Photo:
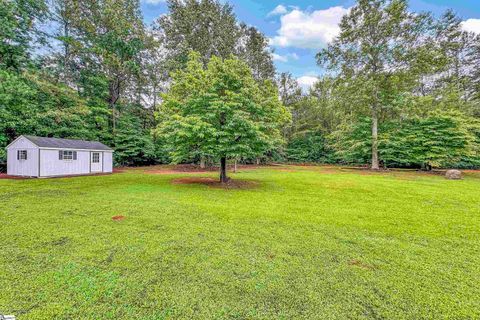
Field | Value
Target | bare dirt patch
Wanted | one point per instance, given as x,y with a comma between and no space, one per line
118,218
6,176
191,168
214,183
360,264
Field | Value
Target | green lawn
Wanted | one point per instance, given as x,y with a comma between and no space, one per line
308,242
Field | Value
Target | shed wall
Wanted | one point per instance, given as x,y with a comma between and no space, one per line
107,162
27,167
50,165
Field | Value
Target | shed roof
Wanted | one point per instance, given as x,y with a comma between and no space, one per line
43,142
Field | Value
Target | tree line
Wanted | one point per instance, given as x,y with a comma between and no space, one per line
197,85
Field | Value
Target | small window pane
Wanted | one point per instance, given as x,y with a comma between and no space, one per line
95,157
22,154
67,155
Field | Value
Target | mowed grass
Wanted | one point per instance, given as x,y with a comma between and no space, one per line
305,243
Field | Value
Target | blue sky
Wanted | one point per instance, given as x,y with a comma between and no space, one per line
298,29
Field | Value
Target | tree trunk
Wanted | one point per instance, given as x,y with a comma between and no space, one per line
258,161
223,170
202,162
235,166
375,165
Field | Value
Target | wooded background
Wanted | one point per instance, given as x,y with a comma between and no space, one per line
399,90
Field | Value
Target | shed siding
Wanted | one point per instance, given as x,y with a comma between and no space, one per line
50,165
107,162
27,167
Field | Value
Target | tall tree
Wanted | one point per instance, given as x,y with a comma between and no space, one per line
254,49
208,27
19,32
289,89
220,111
383,46
109,36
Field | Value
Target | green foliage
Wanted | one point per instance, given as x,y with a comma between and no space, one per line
208,27
133,146
220,111
211,28
309,148
386,49
18,30
439,140
351,142
31,104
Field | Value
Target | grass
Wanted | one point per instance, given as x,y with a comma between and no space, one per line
306,242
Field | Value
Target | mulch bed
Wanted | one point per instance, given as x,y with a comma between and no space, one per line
6,176
214,183
190,168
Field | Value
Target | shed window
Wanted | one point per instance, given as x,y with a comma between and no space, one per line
67,155
95,157
22,154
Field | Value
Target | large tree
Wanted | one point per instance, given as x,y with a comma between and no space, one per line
19,31
220,111
208,27
211,28
386,49
102,39
253,47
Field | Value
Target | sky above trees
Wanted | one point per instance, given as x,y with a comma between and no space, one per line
298,29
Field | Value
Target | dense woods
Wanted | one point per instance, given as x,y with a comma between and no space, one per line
397,89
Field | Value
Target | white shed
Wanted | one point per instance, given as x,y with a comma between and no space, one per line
51,157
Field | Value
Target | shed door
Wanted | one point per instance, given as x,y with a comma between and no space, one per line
96,161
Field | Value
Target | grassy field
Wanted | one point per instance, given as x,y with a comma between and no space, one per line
303,242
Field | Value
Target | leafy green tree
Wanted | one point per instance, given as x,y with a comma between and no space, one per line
307,148
33,104
253,48
208,27
111,32
133,145
220,111
439,139
386,48
289,90
19,30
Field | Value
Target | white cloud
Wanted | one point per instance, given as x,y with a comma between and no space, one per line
279,10
306,82
305,29
471,25
285,58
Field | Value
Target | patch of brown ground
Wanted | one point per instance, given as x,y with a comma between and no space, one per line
360,264
214,183
6,176
190,168
118,218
